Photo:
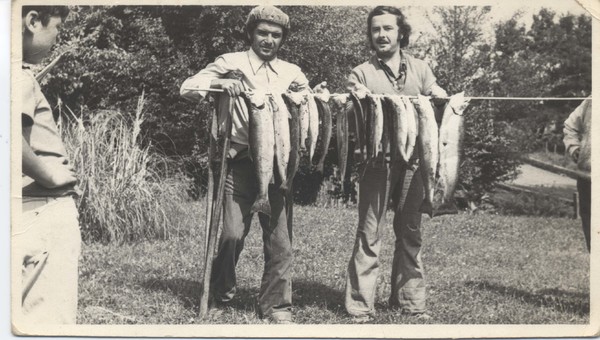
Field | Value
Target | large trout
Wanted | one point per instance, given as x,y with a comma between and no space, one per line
262,148
304,124
450,146
400,125
391,123
281,128
428,150
378,125
411,128
359,121
293,100
326,127
313,126
341,121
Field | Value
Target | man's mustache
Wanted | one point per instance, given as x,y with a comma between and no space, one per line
382,41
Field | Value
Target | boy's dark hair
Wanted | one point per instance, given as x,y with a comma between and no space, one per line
403,28
46,12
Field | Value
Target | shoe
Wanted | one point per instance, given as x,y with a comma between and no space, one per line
280,318
422,316
362,318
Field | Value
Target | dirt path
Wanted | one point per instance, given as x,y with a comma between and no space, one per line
531,176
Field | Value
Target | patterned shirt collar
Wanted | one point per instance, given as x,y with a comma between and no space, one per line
388,71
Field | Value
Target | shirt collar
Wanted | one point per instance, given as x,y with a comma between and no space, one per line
256,63
401,71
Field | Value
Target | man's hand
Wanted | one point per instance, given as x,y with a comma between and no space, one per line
436,93
321,88
575,155
233,87
47,173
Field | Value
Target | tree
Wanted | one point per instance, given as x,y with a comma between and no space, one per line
463,64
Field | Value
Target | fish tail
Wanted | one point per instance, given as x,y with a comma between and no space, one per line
446,208
261,205
284,187
320,168
426,208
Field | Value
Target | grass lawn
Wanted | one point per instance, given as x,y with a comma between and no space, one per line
481,269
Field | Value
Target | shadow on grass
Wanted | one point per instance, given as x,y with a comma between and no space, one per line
559,300
310,293
188,291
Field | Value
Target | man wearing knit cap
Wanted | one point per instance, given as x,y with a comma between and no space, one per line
260,69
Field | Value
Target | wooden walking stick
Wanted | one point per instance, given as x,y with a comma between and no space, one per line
216,192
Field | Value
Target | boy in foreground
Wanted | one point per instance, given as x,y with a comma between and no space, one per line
46,243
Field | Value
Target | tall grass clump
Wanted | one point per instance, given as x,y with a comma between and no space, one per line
129,191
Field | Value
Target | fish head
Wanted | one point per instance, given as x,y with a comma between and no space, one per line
458,103
296,97
256,98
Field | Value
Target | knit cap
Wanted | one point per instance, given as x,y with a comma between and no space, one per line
268,13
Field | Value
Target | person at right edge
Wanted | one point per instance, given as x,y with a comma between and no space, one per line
389,71
577,139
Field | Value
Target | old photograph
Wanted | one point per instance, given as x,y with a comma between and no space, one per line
250,169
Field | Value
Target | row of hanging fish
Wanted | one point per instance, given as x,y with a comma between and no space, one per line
282,128
285,127
397,126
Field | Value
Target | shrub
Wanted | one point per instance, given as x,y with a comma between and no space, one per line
129,191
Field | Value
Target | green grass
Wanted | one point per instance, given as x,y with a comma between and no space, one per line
481,269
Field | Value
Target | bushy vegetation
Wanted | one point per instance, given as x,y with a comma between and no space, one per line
130,192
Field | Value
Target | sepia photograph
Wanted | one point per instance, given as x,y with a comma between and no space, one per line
355,170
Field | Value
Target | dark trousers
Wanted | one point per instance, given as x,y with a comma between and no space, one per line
584,187
241,188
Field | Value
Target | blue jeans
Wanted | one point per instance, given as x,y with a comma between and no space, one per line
407,281
241,188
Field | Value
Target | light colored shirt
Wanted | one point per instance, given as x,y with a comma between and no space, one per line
577,134
274,77
41,132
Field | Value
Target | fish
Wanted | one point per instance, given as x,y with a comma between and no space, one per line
378,125
370,113
304,125
262,148
428,150
400,126
390,121
313,126
412,128
293,101
450,145
281,129
358,115
326,128
341,122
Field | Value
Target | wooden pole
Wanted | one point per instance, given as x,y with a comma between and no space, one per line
575,205
215,215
